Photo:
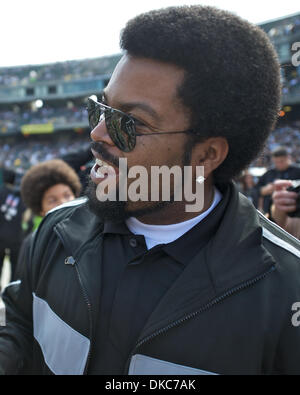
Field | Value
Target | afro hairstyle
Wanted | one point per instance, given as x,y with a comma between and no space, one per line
39,178
232,74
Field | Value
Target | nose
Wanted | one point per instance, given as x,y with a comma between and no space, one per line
100,134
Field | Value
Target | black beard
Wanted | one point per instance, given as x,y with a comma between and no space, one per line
109,210
115,211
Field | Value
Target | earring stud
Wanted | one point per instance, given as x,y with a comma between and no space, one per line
200,179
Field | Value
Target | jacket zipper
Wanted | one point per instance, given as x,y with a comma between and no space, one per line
90,313
207,306
72,262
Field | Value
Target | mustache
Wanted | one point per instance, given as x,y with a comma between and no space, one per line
98,147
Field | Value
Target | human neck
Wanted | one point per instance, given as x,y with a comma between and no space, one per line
176,213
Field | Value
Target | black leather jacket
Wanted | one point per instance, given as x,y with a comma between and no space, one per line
233,310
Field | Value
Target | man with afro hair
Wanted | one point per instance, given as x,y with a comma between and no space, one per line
145,286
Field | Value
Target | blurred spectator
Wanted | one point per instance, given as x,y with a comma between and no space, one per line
11,210
283,169
284,202
248,188
48,185
44,187
287,136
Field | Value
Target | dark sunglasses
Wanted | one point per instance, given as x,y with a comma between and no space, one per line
120,126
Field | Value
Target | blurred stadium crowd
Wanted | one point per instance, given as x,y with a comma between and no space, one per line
287,29
291,84
46,114
69,70
14,119
287,136
22,155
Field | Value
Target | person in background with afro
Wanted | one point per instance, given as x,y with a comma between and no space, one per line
48,185
44,187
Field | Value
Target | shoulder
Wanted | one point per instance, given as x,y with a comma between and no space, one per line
65,210
284,247
267,175
57,215
283,287
72,204
295,168
296,165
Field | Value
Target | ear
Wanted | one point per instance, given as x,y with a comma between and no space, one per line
211,154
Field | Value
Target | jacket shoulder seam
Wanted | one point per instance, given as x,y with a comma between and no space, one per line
287,241
72,203
280,242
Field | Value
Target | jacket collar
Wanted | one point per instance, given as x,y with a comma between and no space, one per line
236,251
78,229
191,243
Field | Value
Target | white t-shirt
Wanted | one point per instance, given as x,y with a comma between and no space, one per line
163,234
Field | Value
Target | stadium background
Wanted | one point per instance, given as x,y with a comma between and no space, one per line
43,116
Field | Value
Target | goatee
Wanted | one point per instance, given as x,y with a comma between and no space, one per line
116,211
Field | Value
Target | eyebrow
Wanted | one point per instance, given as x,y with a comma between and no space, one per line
125,107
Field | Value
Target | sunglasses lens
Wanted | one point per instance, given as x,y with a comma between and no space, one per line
120,127
121,130
94,113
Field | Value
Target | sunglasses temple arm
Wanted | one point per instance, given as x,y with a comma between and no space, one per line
150,134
